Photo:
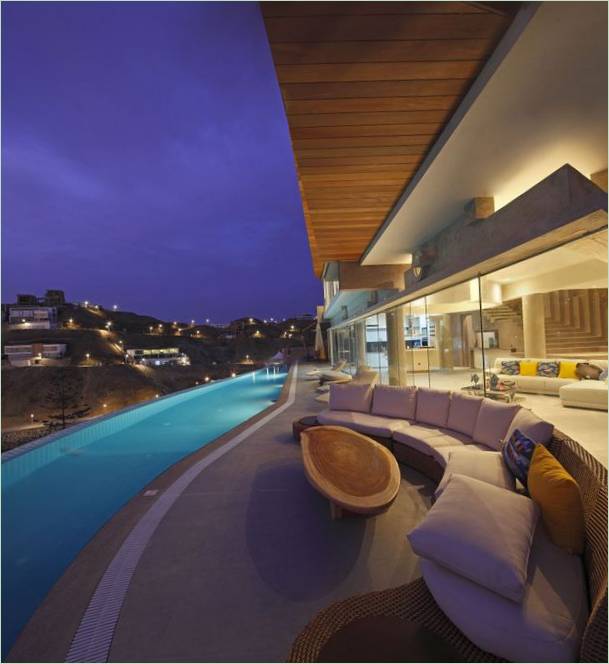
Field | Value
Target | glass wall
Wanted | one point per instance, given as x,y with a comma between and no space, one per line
549,306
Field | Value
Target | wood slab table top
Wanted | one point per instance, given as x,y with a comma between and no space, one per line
352,471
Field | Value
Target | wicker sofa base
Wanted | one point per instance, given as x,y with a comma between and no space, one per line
414,602
411,602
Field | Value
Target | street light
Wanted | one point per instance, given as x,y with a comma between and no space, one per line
115,307
32,417
88,356
233,374
207,379
207,320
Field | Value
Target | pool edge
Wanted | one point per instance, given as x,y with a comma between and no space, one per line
48,634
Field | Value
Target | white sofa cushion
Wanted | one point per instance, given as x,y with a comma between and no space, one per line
534,383
432,406
481,532
531,426
353,397
484,467
442,454
493,421
393,401
371,425
590,393
463,413
546,627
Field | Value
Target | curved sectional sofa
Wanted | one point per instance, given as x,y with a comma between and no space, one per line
563,616
424,426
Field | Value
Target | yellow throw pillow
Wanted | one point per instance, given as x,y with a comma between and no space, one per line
567,370
528,368
559,500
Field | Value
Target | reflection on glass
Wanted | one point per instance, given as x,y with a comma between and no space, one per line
376,345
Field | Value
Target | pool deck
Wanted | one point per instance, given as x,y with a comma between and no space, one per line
242,560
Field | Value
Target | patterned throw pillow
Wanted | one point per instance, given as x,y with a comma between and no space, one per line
510,367
547,369
517,453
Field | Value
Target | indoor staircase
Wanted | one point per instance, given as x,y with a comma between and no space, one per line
576,322
509,310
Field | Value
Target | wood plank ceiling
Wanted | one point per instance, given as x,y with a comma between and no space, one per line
367,87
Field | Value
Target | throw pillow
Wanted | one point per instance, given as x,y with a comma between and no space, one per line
510,367
559,500
531,426
351,397
463,413
432,406
493,421
567,369
547,369
517,454
587,371
394,401
481,532
528,368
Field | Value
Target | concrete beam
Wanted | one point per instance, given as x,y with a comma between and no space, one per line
600,179
562,207
353,276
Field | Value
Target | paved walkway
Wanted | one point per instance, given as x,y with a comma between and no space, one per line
248,554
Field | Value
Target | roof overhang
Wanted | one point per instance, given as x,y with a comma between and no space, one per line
545,105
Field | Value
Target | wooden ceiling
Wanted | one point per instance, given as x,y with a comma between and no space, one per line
367,87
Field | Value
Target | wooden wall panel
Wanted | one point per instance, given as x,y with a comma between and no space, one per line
367,88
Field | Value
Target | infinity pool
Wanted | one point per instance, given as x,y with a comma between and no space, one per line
55,497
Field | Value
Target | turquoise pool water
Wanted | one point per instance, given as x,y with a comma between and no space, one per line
57,496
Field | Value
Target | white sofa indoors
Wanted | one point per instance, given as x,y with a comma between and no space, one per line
585,394
543,384
510,590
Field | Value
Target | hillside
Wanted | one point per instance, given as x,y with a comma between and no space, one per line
98,380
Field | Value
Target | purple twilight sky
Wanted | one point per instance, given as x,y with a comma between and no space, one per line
146,161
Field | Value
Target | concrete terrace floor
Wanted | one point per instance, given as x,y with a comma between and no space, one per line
248,554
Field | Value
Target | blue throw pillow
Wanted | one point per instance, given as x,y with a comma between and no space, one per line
517,453
547,369
510,367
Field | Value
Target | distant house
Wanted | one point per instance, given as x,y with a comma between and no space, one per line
32,317
157,357
54,298
26,298
27,355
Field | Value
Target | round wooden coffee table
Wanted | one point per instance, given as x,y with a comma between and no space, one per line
298,426
354,472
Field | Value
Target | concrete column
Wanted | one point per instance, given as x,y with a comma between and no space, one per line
396,350
444,339
360,345
331,353
534,325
